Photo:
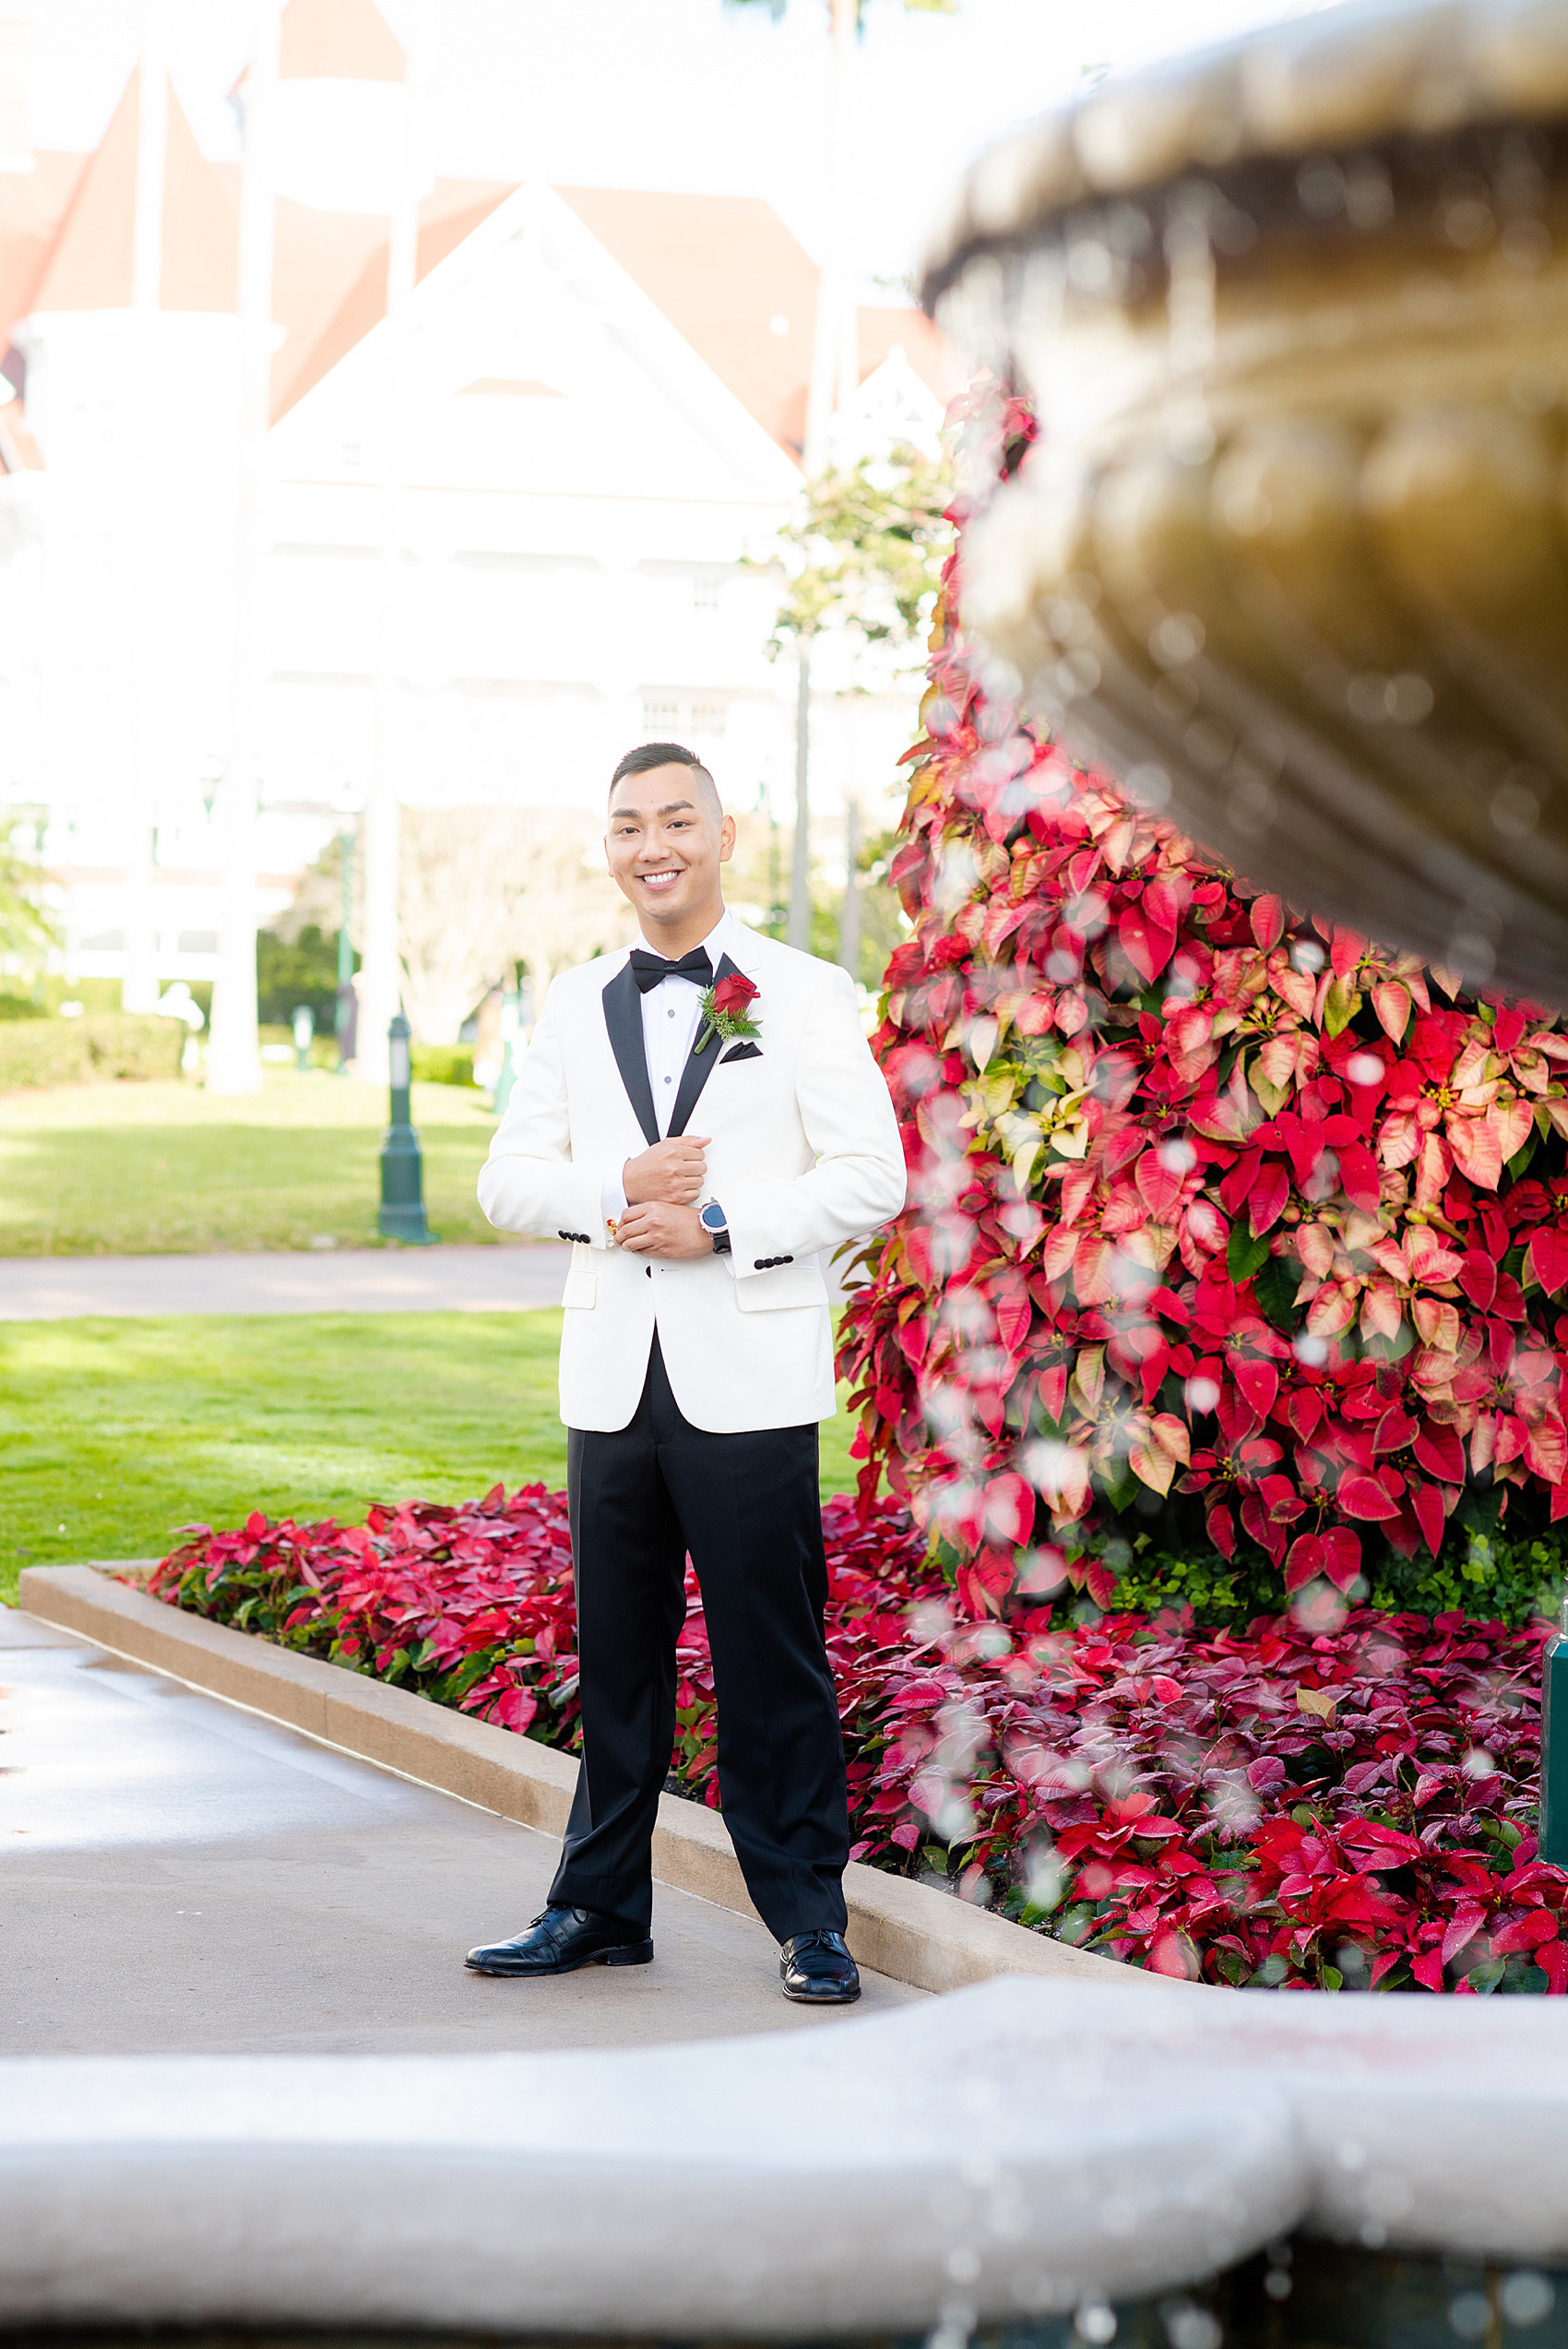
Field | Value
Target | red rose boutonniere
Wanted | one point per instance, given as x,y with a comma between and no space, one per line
726,1007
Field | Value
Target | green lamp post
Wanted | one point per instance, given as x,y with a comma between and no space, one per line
402,1168
1554,1746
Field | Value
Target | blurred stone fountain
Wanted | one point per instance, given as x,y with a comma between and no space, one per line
1291,556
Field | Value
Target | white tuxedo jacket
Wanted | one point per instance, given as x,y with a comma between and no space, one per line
804,1155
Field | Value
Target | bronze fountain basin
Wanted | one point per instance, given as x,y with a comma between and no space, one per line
1290,555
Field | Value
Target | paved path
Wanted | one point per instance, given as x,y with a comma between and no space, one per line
508,1279
182,1874
439,1280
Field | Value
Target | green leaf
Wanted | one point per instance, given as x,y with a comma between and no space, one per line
1276,1288
1341,1006
1523,1156
1244,1254
1118,1484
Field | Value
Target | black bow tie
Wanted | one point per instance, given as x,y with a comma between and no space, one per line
649,969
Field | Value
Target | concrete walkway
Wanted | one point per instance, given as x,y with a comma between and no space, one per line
507,1279
437,1280
179,1874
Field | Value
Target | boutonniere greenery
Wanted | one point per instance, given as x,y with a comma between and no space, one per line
726,1008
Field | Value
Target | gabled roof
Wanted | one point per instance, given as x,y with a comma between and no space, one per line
329,284
726,271
32,205
337,40
723,270
90,266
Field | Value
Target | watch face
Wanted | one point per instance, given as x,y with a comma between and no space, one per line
711,1218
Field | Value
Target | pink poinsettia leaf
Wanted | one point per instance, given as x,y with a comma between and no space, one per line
1364,1498
1546,1257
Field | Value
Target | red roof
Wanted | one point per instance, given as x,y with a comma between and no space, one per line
727,272
723,270
337,39
32,205
90,267
330,283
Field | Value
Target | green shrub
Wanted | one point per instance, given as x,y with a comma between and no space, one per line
13,1006
99,1044
443,1064
294,971
1510,1569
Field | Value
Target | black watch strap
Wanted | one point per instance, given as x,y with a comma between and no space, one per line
722,1237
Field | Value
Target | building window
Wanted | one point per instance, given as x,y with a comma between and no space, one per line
708,718
660,717
705,592
197,942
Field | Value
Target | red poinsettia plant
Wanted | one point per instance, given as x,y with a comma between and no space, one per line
1224,1225
1282,1806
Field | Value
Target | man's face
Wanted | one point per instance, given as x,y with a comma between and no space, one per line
666,842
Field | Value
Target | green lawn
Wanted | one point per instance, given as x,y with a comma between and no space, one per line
155,1169
113,1434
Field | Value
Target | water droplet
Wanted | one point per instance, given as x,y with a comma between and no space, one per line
1469,2315
1177,640
1527,2297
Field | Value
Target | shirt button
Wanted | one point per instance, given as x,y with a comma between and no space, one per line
670,1015
666,1081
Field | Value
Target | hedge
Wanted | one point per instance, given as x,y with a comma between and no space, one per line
443,1064
99,1044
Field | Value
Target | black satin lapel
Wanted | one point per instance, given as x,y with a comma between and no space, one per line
699,1065
623,1019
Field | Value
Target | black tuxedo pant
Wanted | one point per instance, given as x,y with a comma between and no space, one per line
746,1508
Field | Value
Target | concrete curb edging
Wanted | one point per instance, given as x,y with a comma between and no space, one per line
908,1931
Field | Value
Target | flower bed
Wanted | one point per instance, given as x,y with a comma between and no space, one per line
1346,1807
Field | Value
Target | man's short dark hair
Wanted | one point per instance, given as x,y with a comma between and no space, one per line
649,754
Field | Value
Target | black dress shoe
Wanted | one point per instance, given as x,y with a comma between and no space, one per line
818,1969
562,1941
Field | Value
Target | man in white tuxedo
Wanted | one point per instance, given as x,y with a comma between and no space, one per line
696,1358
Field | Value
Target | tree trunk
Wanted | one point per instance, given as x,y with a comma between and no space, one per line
800,930
850,918
380,979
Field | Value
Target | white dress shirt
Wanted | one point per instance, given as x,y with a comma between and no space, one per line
672,1014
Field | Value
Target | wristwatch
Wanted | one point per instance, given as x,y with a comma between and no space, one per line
711,1218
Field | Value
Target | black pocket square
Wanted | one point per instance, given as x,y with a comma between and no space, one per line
742,1052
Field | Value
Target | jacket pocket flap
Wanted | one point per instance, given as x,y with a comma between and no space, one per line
783,1284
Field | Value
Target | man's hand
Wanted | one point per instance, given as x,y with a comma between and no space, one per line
670,1175
673,1232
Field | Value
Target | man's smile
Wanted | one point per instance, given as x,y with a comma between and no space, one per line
662,881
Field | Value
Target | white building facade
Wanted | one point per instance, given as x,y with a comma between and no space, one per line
574,559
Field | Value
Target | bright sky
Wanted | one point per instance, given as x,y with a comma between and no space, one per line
683,94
